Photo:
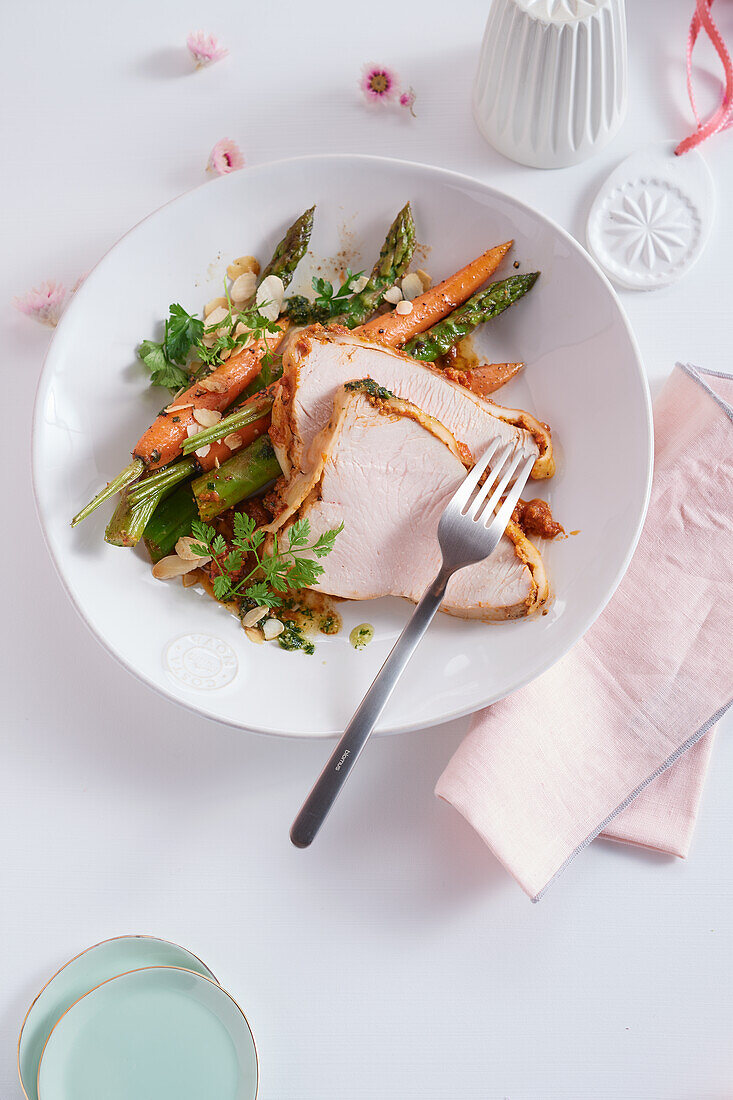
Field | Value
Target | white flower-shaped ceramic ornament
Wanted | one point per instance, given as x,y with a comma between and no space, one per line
652,218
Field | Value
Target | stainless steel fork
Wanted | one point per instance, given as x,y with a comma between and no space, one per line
469,530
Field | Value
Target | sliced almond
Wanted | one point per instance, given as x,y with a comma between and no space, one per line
224,355
412,286
173,566
190,579
215,303
217,315
254,635
192,429
393,295
207,418
254,616
424,278
232,441
269,298
271,628
183,548
211,334
202,452
179,408
243,287
358,284
242,265
212,385
217,463
403,308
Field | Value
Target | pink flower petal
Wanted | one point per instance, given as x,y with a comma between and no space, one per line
44,303
226,156
205,48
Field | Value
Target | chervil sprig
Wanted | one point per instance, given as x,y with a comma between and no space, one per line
243,570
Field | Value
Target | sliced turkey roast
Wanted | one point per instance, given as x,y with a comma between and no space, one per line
320,361
386,470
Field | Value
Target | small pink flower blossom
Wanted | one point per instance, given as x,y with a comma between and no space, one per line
379,84
44,303
205,48
407,100
226,156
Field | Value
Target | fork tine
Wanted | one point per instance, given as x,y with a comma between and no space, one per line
463,493
505,512
496,472
498,489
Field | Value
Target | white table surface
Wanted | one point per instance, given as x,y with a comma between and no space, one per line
395,959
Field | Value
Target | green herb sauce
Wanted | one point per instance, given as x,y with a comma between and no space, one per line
368,385
293,637
361,635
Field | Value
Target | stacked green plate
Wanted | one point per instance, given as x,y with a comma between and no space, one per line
136,1018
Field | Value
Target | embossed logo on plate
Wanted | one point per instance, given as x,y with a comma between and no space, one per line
201,662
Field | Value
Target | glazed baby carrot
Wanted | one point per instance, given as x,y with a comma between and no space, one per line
396,328
163,440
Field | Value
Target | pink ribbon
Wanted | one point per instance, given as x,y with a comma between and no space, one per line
723,116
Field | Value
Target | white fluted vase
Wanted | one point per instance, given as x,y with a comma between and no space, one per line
552,80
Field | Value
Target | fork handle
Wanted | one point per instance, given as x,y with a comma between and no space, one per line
343,758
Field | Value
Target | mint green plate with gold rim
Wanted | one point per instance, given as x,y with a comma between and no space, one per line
85,971
153,1034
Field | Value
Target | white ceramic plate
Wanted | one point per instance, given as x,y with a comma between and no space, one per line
583,376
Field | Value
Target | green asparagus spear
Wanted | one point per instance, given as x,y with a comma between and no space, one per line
241,476
240,418
481,307
169,522
291,249
394,260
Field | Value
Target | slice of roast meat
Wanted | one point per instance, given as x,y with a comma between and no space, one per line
320,361
386,470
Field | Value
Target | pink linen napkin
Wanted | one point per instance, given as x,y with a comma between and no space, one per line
588,747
